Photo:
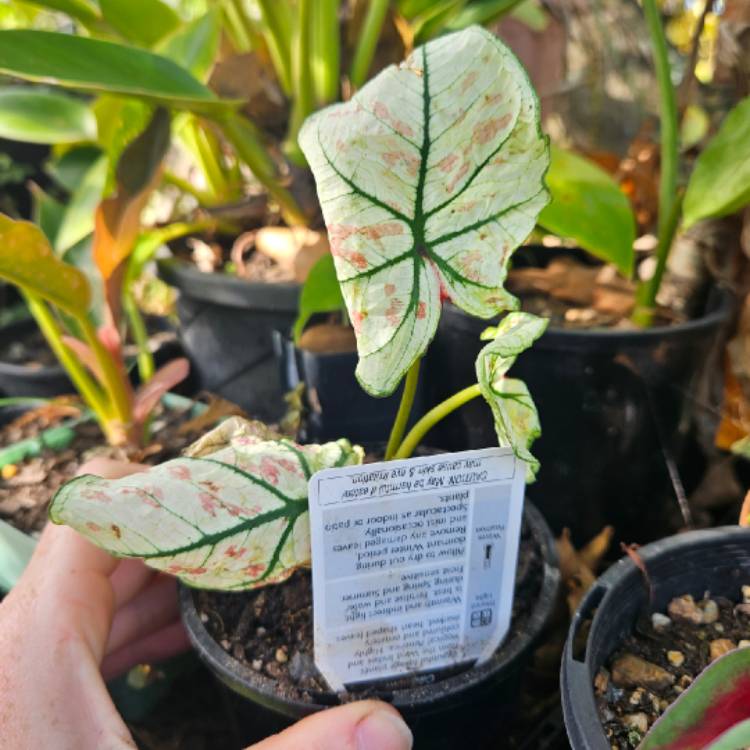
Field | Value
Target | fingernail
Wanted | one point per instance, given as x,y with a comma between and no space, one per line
383,730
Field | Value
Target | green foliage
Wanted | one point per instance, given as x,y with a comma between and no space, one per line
34,115
589,207
720,182
144,22
321,293
103,67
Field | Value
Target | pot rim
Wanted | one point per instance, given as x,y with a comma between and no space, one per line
230,291
719,308
262,689
576,681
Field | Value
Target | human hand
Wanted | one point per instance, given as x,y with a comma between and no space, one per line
79,616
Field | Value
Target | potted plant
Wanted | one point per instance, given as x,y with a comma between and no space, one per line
81,317
617,398
399,239
670,610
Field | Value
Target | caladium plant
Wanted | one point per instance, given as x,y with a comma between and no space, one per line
230,514
429,178
712,714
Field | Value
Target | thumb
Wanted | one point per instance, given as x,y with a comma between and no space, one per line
365,725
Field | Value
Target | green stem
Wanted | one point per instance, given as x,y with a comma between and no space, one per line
246,141
404,410
645,295
115,381
368,41
429,420
303,102
326,50
84,384
204,197
236,26
137,326
276,26
668,200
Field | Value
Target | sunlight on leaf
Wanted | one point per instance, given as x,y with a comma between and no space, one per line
234,519
429,178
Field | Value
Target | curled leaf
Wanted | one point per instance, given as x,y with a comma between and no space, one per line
235,518
429,178
516,419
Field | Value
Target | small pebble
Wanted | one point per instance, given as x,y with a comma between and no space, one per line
744,643
710,611
302,667
721,646
676,658
660,621
238,651
9,471
746,594
204,617
632,671
685,681
638,721
273,670
636,696
743,609
257,665
718,627
685,609
601,681
281,656
260,631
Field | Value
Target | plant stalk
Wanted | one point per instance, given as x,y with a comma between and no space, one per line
404,410
326,51
435,415
304,94
668,200
246,140
84,384
368,42
278,39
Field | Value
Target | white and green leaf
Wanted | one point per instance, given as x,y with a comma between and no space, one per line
516,419
429,178
235,518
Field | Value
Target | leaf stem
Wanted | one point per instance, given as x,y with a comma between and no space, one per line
84,384
304,95
368,42
669,204
278,39
404,410
435,415
326,50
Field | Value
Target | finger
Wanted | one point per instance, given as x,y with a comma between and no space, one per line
128,579
163,644
149,611
366,725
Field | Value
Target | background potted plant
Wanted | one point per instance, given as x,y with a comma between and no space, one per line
620,408
243,497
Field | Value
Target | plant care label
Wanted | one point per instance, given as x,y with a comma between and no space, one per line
413,563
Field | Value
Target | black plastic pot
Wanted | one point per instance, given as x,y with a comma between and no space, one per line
23,380
717,560
613,406
226,327
336,404
466,708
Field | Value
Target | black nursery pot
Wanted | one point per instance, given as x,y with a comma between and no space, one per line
717,560
466,708
611,404
226,327
18,380
335,402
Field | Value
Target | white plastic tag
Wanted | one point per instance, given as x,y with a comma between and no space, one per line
413,563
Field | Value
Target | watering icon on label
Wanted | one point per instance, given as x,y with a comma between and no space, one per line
487,555
481,618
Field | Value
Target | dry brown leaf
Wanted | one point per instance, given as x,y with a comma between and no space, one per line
563,278
217,409
593,553
50,413
328,338
745,512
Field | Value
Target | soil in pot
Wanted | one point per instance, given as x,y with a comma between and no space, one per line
269,632
662,657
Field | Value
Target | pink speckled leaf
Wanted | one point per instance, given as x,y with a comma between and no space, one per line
516,419
429,178
233,519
